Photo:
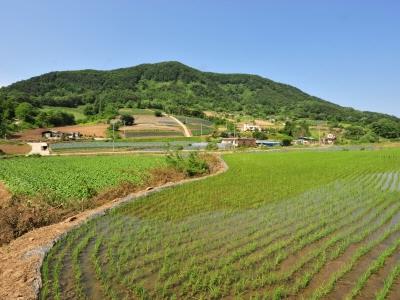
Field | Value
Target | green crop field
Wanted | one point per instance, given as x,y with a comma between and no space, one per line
299,225
197,126
63,179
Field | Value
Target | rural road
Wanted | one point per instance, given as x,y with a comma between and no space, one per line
185,129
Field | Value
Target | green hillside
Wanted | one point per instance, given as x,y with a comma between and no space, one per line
176,88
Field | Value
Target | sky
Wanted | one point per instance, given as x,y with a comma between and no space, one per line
346,52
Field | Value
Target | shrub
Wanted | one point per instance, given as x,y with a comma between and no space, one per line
127,119
286,142
191,164
158,113
212,146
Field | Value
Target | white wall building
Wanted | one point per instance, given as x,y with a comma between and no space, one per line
250,127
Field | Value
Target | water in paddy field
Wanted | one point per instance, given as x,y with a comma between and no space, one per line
127,254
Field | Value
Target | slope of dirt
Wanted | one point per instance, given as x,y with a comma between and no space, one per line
21,260
13,148
5,195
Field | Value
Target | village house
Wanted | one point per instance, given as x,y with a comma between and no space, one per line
250,127
239,142
330,139
58,135
305,140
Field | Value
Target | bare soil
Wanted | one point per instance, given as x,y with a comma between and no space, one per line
98,130
13,148
21,259
149,122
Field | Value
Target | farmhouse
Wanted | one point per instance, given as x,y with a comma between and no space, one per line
239,142
305,140
250,127
58,135
329,139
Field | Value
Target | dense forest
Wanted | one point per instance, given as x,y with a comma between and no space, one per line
174,88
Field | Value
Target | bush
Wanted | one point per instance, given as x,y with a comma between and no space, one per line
158,113
369,138
354,132
127,119
191,164
286,142
259,135
212,146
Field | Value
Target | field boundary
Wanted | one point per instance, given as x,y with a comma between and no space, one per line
21,260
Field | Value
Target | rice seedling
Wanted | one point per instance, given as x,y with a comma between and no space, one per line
269,228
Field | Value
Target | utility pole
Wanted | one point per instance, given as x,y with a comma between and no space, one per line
113,136
124,130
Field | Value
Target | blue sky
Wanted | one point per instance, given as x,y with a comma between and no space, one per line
347,52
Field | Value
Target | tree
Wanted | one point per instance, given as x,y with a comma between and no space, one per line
386,128
260,135
25,112
54,118
289,128
89,110
286,142
354,132
127,119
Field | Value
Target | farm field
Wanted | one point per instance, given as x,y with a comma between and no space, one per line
197,126
137,145
311,225
14,148
96,130
151,126
64,180
151,133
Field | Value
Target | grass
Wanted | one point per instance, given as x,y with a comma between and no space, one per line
76,111
68,179
269,228
136,111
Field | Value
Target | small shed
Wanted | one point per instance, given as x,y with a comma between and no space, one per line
239,142
267,143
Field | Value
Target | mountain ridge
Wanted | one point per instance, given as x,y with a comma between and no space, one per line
168,85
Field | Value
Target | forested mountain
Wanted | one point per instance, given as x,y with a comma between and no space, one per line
176,88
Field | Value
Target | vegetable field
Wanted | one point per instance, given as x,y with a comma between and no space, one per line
63,179
300,225
197,126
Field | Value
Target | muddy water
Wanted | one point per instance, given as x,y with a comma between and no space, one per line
92,287
67,283
347,282
376,281
395,291
335,265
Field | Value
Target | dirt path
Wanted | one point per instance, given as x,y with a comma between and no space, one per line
184,127
21,260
